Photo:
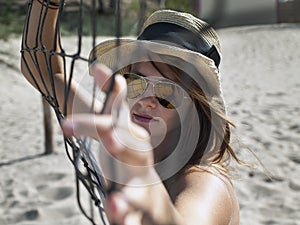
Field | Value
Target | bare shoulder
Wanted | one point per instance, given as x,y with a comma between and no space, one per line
205,197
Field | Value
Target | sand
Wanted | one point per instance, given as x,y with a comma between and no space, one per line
261,84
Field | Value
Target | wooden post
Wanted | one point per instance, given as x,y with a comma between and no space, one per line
142,15
197,5
277,11
162,4
48,128
100,6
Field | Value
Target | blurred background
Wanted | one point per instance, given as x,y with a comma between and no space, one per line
219,13
262,90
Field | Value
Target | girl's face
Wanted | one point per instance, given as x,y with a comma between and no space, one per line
146,109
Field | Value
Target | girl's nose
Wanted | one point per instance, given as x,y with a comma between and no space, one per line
148,99
148,102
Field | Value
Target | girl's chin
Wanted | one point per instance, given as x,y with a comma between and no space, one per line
154,129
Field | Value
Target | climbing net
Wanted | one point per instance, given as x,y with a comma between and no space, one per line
34,50
79,151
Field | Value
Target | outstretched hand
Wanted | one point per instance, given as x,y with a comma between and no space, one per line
142,198
122,138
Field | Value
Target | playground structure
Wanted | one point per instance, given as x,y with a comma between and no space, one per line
288,11
219,13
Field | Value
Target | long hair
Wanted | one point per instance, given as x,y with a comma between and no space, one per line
213,144
215,127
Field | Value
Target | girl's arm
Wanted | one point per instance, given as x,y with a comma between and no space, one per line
34,65
142,198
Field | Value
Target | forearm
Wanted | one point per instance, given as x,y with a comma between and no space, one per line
44,70
34,62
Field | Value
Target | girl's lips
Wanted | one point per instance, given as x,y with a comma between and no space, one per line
142,118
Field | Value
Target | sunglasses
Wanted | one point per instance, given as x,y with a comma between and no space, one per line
168,94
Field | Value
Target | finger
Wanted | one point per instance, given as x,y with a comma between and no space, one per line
86,125
135,196
102,75
115,140
95,126
116,96
120,211
116,208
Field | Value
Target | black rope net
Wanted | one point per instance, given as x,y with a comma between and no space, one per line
88,175
41,58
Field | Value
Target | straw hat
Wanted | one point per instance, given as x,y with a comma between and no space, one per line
191,41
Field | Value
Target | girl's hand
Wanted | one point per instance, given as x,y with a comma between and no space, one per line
142,198
123,139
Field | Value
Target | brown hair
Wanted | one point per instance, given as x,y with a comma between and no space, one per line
211,116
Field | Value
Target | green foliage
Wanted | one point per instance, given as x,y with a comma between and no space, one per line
13,13
12,19
180,5
105,24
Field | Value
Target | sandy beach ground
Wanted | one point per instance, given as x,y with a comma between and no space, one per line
261,83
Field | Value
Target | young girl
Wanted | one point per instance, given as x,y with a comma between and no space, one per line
164,125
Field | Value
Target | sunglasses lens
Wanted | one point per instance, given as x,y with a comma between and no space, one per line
169,95
135,85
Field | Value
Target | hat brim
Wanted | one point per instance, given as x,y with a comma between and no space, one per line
118,54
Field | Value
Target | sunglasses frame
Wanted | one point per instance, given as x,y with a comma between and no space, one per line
155,82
